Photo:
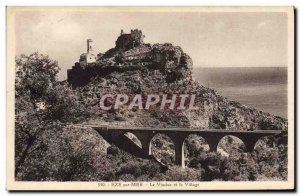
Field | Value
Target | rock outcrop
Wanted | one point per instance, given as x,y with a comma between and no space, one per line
176,64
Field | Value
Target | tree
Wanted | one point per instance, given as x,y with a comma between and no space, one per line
34,75
41,104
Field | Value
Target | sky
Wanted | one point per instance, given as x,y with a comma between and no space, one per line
212,39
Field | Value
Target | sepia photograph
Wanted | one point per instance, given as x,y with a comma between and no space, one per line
150,98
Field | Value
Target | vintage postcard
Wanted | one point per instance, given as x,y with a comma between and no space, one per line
150,98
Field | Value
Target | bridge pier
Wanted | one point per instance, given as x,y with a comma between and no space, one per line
212,141
178,140
179,155
145,139
250,142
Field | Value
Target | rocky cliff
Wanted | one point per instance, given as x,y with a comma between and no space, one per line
133,67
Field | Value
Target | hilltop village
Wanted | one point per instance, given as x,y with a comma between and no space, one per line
130,53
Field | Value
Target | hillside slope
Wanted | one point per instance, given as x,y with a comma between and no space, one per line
139,68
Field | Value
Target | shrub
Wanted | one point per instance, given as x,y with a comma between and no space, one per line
186,174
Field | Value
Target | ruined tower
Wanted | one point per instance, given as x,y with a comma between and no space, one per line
89,46
89,57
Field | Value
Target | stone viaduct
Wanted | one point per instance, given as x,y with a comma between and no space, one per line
117,136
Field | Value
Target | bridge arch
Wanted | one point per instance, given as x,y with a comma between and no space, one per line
265,142
162,148
134,138
193,144
230,144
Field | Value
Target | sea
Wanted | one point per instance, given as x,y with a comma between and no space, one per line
264,88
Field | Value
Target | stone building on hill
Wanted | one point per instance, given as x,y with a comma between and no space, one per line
131,40
89,57
131,53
